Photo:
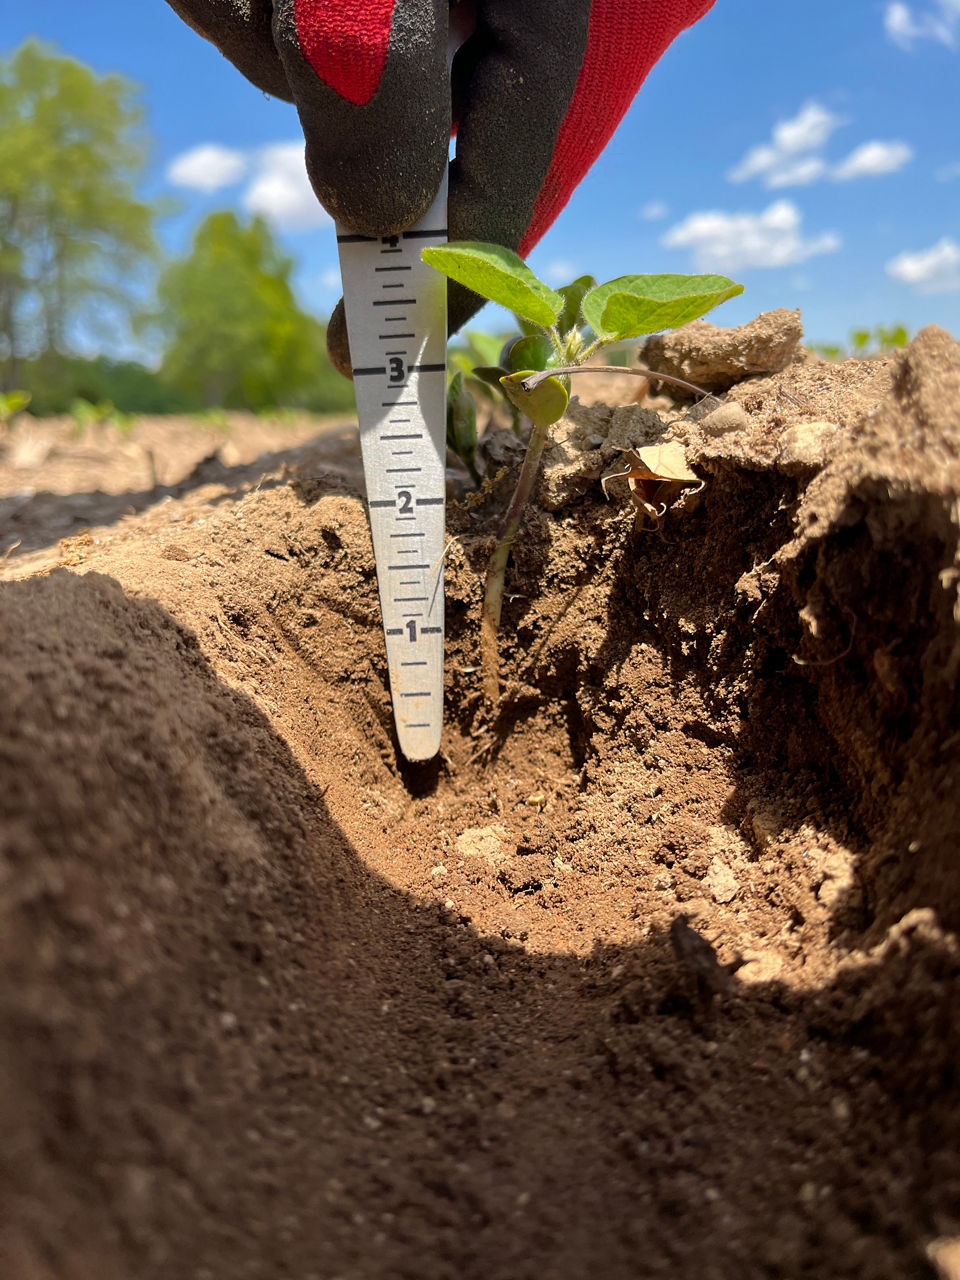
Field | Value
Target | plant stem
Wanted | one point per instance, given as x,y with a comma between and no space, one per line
496,569
591,349
553,333
529,384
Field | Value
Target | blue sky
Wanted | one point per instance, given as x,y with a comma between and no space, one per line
809,149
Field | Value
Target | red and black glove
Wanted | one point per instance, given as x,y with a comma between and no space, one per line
536,90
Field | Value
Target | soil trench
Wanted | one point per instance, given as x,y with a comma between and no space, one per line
655,974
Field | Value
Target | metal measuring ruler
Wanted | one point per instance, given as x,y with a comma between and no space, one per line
396,311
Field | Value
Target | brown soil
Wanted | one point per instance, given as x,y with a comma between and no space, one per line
653,976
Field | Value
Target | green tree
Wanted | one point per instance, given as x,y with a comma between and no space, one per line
236,335
74,235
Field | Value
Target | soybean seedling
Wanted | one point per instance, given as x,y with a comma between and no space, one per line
563,330
12,403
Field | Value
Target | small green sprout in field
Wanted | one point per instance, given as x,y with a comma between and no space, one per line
12,403
86,414
124,422
563,330
864,343
280,415
215,418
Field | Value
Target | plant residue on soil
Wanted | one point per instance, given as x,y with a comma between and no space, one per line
655,974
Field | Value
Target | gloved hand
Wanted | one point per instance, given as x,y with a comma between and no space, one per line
536,90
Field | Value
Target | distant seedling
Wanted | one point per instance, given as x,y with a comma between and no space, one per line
862,343
12,403
562,330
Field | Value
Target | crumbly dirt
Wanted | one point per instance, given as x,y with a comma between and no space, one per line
716,358
654,974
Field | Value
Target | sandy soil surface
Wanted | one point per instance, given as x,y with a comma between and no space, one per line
653,973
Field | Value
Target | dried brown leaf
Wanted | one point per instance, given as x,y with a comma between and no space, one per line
658,475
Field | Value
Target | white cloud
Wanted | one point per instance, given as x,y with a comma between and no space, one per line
797,173
787,160
808,130
947,172
939,21
871,159
733,241
330,278
654,210
793,156
560,272
934,270
207,167
281,190
278,186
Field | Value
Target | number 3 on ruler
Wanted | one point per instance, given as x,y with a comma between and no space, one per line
396,369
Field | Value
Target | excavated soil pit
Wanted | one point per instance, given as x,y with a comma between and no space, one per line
655,975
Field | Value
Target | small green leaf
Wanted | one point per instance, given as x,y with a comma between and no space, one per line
498,274
526,328
530,353
631,306
543,405
461,419
11,403
573,295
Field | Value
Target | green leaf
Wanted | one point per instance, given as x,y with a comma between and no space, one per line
461,419
573,295
526,328
531,352
498,274
631,306
12,402
543,405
